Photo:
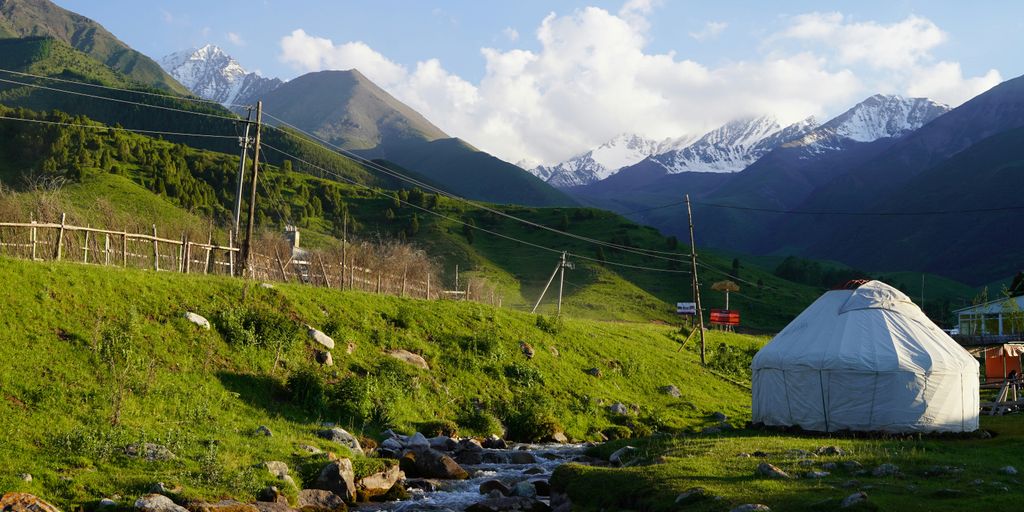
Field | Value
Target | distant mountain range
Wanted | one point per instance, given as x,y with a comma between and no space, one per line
211,73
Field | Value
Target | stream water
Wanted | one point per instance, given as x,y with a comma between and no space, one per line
456,495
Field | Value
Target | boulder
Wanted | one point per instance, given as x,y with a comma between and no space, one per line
719,416
593,372
771,471
469,451
432,464
318,500
853,499
198,320
622,455
423,484
751,507
271,494
25,502
509,503
692,495
618,408
417,441
226,506
1006,470
671,391
337,477
106,504
534,471
342,437
323,357
524,489
379,483
491,485
442,443
160,488
495,443
264,430
276,468
321,338
494,458
409,358
149,451
543,487
816,474
885,470
526,349
157,503
829,451
522,457
559,437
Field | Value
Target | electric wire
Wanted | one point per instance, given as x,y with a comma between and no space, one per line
112,128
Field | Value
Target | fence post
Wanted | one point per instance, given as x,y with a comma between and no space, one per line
428,285
327,280
188,256
404,274
85,250
181,253
209,247
60,235
106,249
156,251
32,236
378,280
231,252
280,265
124,249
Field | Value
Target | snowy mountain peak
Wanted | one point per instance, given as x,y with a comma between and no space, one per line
599,163
883,116
211,73
733,146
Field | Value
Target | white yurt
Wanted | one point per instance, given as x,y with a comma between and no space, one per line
865,358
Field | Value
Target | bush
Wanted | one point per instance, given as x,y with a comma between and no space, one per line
522,374
529,418
306,389
263,328
549,325
434,428
617,432
478,421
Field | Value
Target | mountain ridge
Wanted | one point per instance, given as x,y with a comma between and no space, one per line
211,73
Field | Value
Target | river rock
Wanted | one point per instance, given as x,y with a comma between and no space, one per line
559,437
491,485
318,500
442,443
157,503
338,477
379,483
321,338
24,502
323,357
495,443
527,349
671,391
522,457
431,464
198,320
853,499
509,503
342,437
620,457
771,471
270,506
417,442
409,358
524,489
494,458
149,451
885,470
543,487
423,484
751,507
468,451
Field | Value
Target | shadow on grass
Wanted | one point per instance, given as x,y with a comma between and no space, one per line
266,393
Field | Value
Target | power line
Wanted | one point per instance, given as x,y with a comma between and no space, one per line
111,128
458,221
118,100
852,213
122,89
390,172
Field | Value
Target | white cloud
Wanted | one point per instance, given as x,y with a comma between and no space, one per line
591,77
235,39
510,33
166,16
710,31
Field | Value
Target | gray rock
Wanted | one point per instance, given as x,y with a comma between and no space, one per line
323,357
409,358
711,430
106,503
148,451
337,477
157,503
318,500
533,471
494,458
312,450
25,477
276,468
527,349
160,488
342,437
830,466
817,474
267,286
495,443
269,506
321,338
771,471
593,372
509,503
432,464
692,495
621,456
806,463
670,390
886,470
719,416
424,484
491,485
417,441
618,408
751,507
198,320
381,482
524,489
559,437
852,465
542,487
264,430
1008,470
522,457
853,499
443,443
830,451
271,494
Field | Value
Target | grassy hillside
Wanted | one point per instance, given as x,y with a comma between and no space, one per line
93,359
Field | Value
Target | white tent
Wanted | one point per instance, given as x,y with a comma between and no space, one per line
865,359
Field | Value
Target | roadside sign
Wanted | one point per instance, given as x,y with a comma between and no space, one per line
686,308
725,317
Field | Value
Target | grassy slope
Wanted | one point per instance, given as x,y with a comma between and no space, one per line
711,462
202,397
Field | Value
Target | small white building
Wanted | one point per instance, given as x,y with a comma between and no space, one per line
1000,317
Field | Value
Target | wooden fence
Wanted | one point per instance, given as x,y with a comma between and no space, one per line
42,241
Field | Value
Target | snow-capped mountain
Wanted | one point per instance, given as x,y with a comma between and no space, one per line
733,146
603,161
212,74
878,117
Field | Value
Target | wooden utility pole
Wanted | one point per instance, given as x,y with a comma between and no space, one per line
561,282
696,283
344,249
560,267
237,213
247,249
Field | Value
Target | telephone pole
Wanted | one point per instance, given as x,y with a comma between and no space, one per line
247,247
696,283
237,213
560,268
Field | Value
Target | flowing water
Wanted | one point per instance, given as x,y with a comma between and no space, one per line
456,495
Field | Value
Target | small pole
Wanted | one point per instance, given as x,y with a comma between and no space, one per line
428,286
182,250
404,272
378,281
456,276
85,255
231,252
106,248
60,236
209,247
561,285
188,256
344,249
32,236
327,280
280,265
696,282
156,251
543,292
124,249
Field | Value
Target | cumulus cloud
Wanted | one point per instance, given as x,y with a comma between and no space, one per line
235,39
511,34
592,77
710,31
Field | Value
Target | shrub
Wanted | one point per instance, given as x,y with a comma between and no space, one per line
529,417
522,374
262,328
617,432
479,421
306,389
435,428
549,325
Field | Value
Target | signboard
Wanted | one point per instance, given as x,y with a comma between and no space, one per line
686,308
725,317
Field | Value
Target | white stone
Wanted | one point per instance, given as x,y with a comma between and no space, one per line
321,338
197,319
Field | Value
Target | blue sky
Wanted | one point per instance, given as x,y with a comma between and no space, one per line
561,77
